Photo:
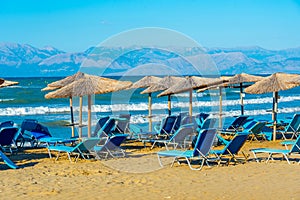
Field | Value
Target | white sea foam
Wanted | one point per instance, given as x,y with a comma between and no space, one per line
16,111
14,86
259,112
5,100
121,107
40,110
140,119
135,119
264,100
194,94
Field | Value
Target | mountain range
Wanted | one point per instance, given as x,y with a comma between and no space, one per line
23,60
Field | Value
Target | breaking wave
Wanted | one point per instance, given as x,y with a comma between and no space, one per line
40,110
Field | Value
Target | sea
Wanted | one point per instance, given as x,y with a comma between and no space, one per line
27,101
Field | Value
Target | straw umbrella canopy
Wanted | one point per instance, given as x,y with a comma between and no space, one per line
61,83
237,79
240,79
188,85
295,80
274,83
218,86
89,85
6,83
145,82
164,84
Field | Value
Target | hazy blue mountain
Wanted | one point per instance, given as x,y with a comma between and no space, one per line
26,60
16,54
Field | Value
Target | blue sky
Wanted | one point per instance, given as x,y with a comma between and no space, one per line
77,25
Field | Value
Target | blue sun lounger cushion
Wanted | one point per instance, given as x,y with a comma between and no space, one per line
231,149
7,161
201,150
7,136
6,124
111,146
85,147
293,127
178,139
31,131
295,149
236,124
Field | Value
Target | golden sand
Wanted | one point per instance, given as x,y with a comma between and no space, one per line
139,176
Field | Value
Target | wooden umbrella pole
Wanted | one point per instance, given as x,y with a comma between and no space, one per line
220,107
150,111
242,98
72,116
169,104
191,105
80,117
274,106
89,115
274,116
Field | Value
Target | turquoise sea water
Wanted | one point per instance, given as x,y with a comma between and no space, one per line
26,101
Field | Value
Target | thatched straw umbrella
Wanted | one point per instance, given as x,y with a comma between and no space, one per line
228,82
6,83
274,83
145,82
164,84
61,83
240,79
188,85
89,85
295,80
219,87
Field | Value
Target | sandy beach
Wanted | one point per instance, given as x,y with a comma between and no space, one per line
139,176
97,75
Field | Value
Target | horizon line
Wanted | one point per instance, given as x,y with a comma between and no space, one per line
132,46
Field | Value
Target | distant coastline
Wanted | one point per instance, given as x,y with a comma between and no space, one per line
19,60
115,77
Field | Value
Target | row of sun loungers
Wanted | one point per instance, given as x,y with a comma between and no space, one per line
33,134
203,152
178,134
260,129
91,147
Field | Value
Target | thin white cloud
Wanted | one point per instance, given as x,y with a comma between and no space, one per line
105,22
